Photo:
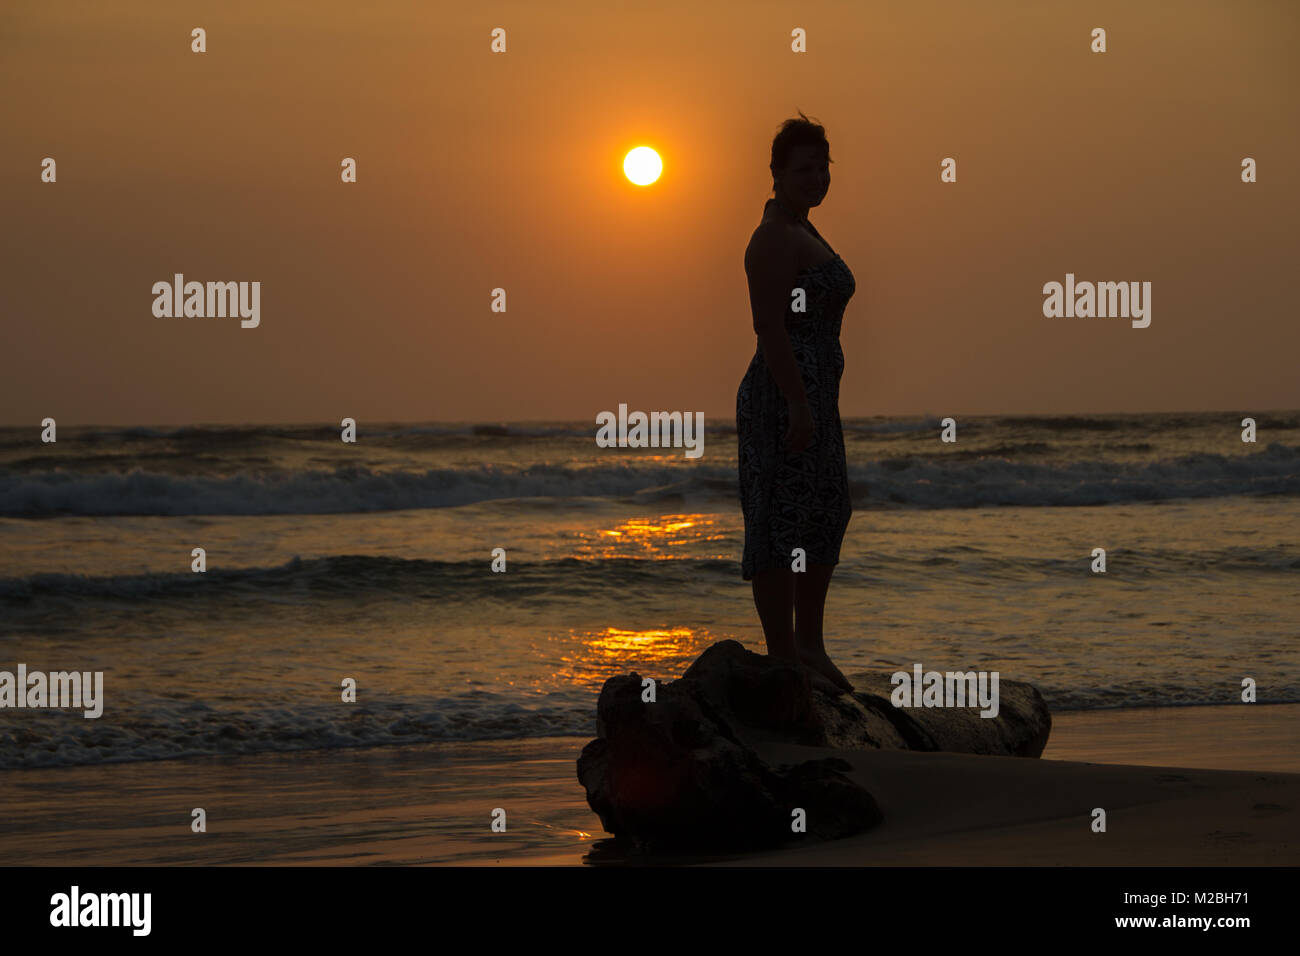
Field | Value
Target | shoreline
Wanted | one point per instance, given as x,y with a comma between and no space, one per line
1228,736
1192,786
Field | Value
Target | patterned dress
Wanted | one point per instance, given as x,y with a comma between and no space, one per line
797,501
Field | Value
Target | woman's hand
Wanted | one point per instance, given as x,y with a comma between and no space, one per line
801,427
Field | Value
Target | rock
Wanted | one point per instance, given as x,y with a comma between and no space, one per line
1020,729
685,772
669,775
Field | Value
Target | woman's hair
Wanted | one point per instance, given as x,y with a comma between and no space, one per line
794,133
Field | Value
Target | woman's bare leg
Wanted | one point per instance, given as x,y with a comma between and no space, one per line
809,606
774,598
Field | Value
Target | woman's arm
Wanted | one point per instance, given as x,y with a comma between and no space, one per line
770,265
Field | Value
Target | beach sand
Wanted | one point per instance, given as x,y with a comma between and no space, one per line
1181,786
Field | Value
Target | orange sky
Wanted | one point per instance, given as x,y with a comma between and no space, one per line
479,170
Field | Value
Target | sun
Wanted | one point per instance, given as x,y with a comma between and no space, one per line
642,165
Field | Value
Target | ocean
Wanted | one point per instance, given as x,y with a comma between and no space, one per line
373,562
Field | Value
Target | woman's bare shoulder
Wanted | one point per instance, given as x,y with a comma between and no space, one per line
769,246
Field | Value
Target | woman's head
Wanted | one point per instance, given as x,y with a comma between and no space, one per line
801,157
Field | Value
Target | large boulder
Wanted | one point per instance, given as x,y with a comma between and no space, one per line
684,771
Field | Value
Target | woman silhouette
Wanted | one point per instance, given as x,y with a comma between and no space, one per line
794,488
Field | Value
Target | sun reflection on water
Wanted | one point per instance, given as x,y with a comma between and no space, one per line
652,537
593,656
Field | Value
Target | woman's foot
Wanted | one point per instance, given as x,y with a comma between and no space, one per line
820,662
822,682
816,676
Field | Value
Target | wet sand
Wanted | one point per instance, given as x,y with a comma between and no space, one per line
1181,786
